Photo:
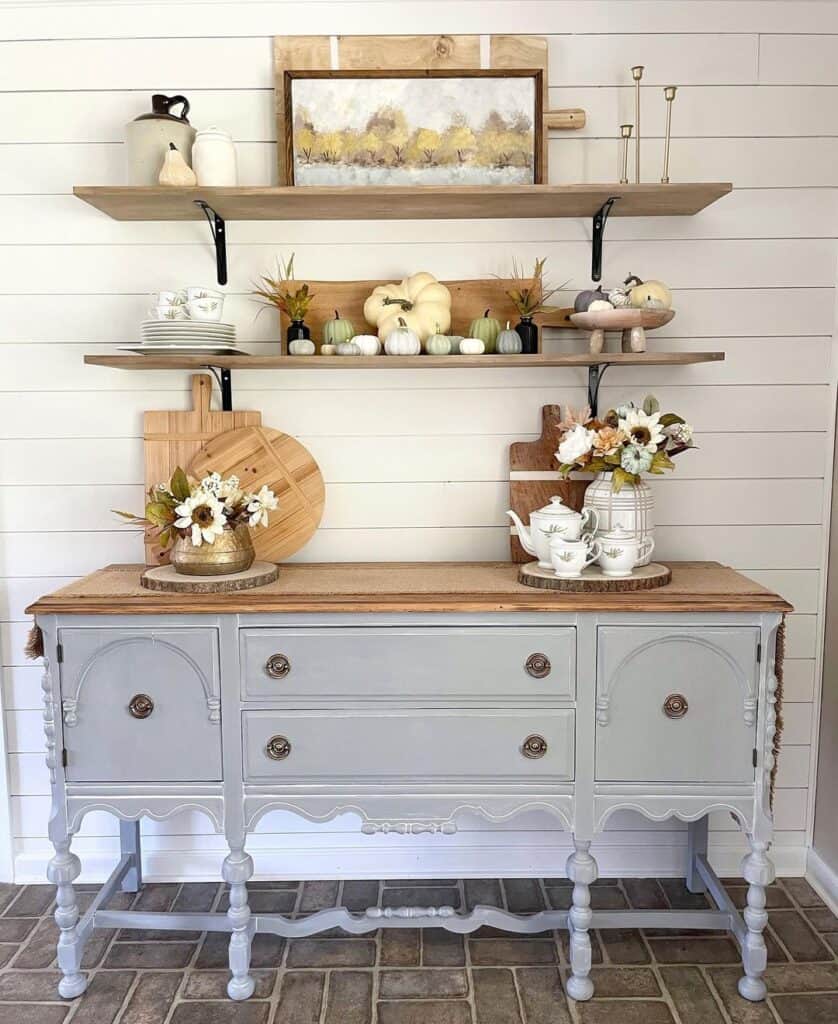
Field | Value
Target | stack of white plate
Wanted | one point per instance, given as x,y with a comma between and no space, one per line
186,337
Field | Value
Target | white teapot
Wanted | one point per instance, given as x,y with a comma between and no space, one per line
621,551
555,519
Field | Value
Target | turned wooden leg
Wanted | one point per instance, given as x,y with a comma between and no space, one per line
237,868
625,340
597,341
62,871
582,871
758,872
637,339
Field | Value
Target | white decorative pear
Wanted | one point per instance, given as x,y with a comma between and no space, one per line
175,170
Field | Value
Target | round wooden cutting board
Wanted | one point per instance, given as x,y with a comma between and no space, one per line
260,455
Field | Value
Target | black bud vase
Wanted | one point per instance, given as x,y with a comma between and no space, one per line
529,335
296,330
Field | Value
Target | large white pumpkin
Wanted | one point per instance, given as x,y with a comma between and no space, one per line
420,300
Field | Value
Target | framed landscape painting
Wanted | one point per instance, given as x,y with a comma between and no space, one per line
427,127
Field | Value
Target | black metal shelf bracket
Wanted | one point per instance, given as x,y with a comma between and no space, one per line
595,375
219,236
224,379
600,217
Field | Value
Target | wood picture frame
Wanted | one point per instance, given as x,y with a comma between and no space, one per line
460,52
530,157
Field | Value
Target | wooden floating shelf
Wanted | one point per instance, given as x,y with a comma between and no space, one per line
177,362
401,203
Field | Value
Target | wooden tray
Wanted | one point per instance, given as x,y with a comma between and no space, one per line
592,580
622,319
165,579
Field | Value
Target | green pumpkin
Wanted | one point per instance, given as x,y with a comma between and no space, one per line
509,342
487,329
337,330
438,344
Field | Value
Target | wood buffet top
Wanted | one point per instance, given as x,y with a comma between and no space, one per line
409,587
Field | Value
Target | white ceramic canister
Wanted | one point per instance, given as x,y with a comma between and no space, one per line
214,158
148,137
621,551
632,508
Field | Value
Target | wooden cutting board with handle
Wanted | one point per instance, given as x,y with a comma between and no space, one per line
534,477
171,438
262,456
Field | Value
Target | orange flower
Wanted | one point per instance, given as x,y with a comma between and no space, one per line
608,440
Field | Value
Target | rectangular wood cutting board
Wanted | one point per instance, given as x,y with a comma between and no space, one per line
171,439
534,477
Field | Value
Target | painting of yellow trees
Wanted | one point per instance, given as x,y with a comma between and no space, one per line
351,130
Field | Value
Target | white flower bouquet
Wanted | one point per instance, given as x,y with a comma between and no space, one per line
627,442
202,510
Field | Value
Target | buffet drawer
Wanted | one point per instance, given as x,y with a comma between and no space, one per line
433,746
511,663
676,704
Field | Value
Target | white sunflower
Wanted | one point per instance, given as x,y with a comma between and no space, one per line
643,430
203,515
259,505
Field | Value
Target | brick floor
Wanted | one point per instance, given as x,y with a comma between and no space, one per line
420,977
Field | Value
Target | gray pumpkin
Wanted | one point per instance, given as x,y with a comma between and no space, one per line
585,298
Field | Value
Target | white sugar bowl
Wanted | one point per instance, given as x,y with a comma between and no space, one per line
621,550
553,520
569,557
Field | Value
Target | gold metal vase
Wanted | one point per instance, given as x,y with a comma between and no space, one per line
233,551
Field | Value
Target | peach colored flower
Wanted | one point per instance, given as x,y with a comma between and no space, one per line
608,440
572,417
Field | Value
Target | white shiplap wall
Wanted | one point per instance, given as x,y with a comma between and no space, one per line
416,461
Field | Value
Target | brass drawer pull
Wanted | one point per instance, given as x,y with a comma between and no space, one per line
538,666
534,747
675,706
141,705
278,748
277,666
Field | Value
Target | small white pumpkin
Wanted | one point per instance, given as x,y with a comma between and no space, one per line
301,347
402,341
328,350
368,344
348,348
619,297
472,347
438,344
509,342
598,305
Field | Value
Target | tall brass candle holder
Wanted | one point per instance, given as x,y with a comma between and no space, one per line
625,134
637,74
669,95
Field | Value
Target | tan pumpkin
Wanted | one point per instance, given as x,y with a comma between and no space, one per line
420,300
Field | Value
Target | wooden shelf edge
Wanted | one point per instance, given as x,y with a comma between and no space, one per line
393,202
140,362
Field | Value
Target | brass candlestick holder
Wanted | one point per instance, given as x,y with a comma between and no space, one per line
637,74
669,95
625,134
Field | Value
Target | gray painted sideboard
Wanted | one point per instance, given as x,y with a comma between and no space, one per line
407,694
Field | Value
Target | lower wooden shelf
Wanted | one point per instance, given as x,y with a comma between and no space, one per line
245,362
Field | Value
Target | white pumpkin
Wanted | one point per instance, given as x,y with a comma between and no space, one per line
472,347
599,306
420,300
348,348
368,344
402,340
301,347
328,350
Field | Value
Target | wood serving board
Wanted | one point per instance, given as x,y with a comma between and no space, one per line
165,579
171,439
594,581
534,477
262,456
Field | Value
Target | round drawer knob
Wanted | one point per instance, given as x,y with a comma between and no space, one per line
141,705
278,748
277,666
675,706
538,666
534,746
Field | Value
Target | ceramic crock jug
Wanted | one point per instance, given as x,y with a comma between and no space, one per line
555,519
620,551
147,138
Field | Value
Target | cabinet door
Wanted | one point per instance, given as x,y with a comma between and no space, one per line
676,704
141,705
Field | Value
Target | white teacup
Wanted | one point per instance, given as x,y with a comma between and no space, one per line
169,298
620,551
166,312
194,293
205,309
569,557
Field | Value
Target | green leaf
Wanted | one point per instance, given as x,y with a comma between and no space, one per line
651,405
669,418
158,514
127,515
661,461
179,485
620,478
165,537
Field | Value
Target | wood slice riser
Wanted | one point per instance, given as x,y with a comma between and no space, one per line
164,579
650,577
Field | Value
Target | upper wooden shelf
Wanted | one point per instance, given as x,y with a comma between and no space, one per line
399,203
176,362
